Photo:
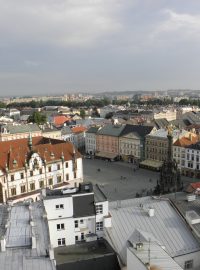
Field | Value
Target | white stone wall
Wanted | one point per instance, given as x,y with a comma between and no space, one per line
90,143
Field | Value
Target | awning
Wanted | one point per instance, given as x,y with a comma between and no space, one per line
150,163
106,155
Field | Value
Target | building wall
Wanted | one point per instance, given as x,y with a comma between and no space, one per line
129,146
90,143
133,262
156,148
60,172
187,257
9,137
109,144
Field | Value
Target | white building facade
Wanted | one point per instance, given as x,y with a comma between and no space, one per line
74,216
90,140
27,170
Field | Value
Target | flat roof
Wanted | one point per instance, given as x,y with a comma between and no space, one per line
166,226
82,251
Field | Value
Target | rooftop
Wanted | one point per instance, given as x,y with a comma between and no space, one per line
162,133
14,154
19,253
158,256
111,130
166,227
96,255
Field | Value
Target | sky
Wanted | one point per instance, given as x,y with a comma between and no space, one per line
64,46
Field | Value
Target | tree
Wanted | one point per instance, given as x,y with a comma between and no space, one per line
82,113
109,115
37,118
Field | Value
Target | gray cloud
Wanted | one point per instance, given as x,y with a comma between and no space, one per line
54,45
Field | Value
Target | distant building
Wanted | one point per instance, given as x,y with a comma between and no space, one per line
107,141
156,147
28,165
18,131
90,140
132,142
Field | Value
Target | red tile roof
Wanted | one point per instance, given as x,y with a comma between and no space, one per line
14,154
78,129
195,185
184,141
59,120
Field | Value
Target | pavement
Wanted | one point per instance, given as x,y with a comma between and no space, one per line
119,180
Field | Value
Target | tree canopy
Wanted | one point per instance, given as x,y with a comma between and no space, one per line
37,118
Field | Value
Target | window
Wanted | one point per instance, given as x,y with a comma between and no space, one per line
99,226
61,241
49,169
188,264
50,181
23,189
82,236
66,165
31,173
32,186
13,191
58,179
76,223
40,171
12,177
67,177
41,184
99,209
22,175
58,166
60,226
81,221
74,174
76,238
59,206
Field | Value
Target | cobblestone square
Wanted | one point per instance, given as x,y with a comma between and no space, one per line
119,180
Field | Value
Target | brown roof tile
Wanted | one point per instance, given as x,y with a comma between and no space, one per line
15,153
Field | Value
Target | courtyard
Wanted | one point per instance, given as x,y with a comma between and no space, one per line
120,180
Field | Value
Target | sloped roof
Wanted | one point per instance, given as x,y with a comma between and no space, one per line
184,141
142,131
14,129
195,146
59,120
16,153
83,206
93,130
111,130
78,129
166,225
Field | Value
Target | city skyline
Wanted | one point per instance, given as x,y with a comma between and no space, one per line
98,46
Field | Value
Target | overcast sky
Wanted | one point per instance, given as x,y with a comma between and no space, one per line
56,46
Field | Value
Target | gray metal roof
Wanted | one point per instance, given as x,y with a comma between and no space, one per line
166,226
111,130
18,233
24,257
83,205
158,256
13,129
